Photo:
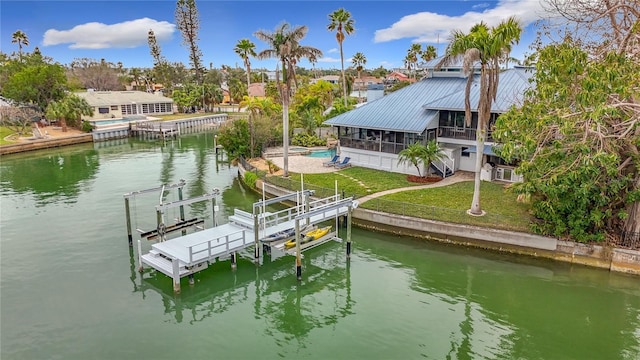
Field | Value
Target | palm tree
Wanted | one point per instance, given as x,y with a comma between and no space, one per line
245,48
488,46
341,23
135,74
429,53
20,38
413,54
414,154
284,45
433,153
359,60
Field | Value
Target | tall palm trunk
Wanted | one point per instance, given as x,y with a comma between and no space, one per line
484,112
344,81
475,202
285,130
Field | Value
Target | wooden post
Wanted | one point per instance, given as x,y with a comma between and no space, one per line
298,252
128,214
176,275
191,280
256,231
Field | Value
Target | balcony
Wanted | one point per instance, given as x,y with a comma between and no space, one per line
460,133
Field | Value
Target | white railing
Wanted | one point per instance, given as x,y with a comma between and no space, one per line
444,165
214,246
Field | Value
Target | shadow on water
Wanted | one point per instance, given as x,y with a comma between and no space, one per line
289,306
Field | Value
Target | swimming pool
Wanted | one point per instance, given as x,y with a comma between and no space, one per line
322,153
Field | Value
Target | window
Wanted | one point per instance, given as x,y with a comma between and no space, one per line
103,110
114,107
465,152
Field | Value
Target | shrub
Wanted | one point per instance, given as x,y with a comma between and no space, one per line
250,179
307,140
86,126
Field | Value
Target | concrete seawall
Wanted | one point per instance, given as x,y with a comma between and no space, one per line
613,259
45,143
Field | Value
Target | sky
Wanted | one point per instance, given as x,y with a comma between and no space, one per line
117,30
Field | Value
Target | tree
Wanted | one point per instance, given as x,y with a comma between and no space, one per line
245,48
415,154
284,45
359,60
93,74
413,54
18,118
69,110
135,75
578,134
488,46
601,26
33,80
341,23
429,53
234,137
20,38
188,23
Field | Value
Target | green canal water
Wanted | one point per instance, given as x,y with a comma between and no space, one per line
70,289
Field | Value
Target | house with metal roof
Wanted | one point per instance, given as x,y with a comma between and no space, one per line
373,134
122,104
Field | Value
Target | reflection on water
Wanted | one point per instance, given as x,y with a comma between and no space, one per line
291,308
66,279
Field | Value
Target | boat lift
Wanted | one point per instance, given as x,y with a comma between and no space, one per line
185,255
162,229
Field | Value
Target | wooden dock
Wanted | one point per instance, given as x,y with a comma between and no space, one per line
155,130
185,255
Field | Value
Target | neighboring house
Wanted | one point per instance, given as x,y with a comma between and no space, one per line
121,104
257,90
373,134
363,82
396,77
332,79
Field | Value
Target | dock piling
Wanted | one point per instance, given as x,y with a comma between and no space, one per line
140,268
128,214
298,252
234,263
176,275
349,233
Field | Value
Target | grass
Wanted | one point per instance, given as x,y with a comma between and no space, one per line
450,203
353,181
4,132
446,203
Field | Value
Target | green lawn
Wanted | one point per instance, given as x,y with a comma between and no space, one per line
4,132
353,181
449,203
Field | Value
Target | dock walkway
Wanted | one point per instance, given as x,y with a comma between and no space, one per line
191,253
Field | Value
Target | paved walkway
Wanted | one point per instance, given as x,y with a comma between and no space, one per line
459,176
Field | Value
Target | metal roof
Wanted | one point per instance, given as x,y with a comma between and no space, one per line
402,109
412,108
108,98
511,88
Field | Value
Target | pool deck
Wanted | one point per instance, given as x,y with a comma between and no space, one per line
304,164
293,151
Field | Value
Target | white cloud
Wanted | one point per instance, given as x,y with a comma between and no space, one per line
332,50
428,27
480,6
96,35
329,59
